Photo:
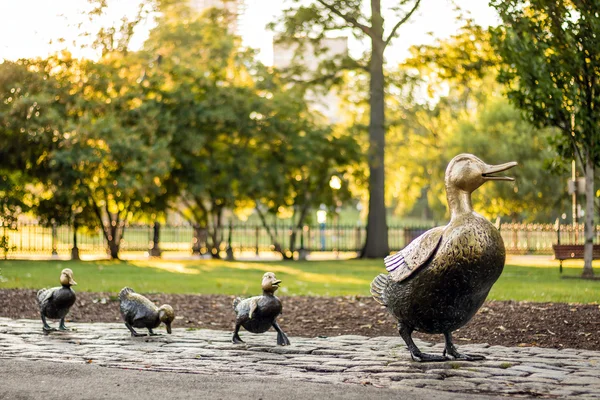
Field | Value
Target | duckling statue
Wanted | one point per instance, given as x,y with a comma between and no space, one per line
56,302
257,314
438,282
139,312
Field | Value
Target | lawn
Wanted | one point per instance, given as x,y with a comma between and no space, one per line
541,283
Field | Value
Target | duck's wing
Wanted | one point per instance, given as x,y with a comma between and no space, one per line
402,264
44,296
246,306
134,306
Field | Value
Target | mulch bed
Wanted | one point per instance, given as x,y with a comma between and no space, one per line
505,323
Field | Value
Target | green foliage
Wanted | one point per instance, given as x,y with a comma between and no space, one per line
243,137
500,134
463,110
190,122
551,67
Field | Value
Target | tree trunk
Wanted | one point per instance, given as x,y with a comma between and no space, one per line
199,244
113,250
276,245
155,250
298,226
75,249
229,251
114,241
376,245
216,233
54,240
589,233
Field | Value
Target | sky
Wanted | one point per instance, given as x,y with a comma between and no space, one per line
27,27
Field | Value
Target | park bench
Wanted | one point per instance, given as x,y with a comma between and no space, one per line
572,252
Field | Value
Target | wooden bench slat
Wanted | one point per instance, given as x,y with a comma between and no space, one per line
573,251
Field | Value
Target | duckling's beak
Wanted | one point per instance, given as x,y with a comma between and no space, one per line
490,170
168,328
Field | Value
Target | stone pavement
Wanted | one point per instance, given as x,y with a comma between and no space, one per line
375,362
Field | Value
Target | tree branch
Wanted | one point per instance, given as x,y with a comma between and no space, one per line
400,23
349,19
265,225
98,213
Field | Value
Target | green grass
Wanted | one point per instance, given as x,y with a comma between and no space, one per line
328,278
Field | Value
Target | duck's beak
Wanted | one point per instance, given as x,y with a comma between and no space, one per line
490,170
276,282
168,328
72,282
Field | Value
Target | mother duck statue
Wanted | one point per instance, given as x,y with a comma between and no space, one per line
438,282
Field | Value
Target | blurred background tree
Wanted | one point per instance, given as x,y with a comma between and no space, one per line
193,124
551,71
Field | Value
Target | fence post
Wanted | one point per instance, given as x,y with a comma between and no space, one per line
256,237
337,238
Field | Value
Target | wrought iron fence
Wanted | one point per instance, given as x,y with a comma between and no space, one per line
35,240
539,238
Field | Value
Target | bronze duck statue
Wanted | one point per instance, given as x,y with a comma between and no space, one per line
139,312
257,314
438,282
56,302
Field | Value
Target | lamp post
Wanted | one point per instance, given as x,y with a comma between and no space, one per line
335,183
322,219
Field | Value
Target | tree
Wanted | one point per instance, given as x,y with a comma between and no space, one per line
121,127
294,159
211,97
310,22
500,133
551,69
462,109
29,117
56,197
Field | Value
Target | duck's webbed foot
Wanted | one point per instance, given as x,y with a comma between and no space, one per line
282,339
151,333
453,354
133,332
415,353
236,336
47,328
62,326
426,357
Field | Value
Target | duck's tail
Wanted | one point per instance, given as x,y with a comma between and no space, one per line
236,301
124,292
378,287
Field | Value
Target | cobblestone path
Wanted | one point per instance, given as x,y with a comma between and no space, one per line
379,361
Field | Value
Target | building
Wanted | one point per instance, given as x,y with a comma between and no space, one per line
235,7
283,55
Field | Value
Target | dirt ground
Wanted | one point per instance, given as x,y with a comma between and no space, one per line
504,323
